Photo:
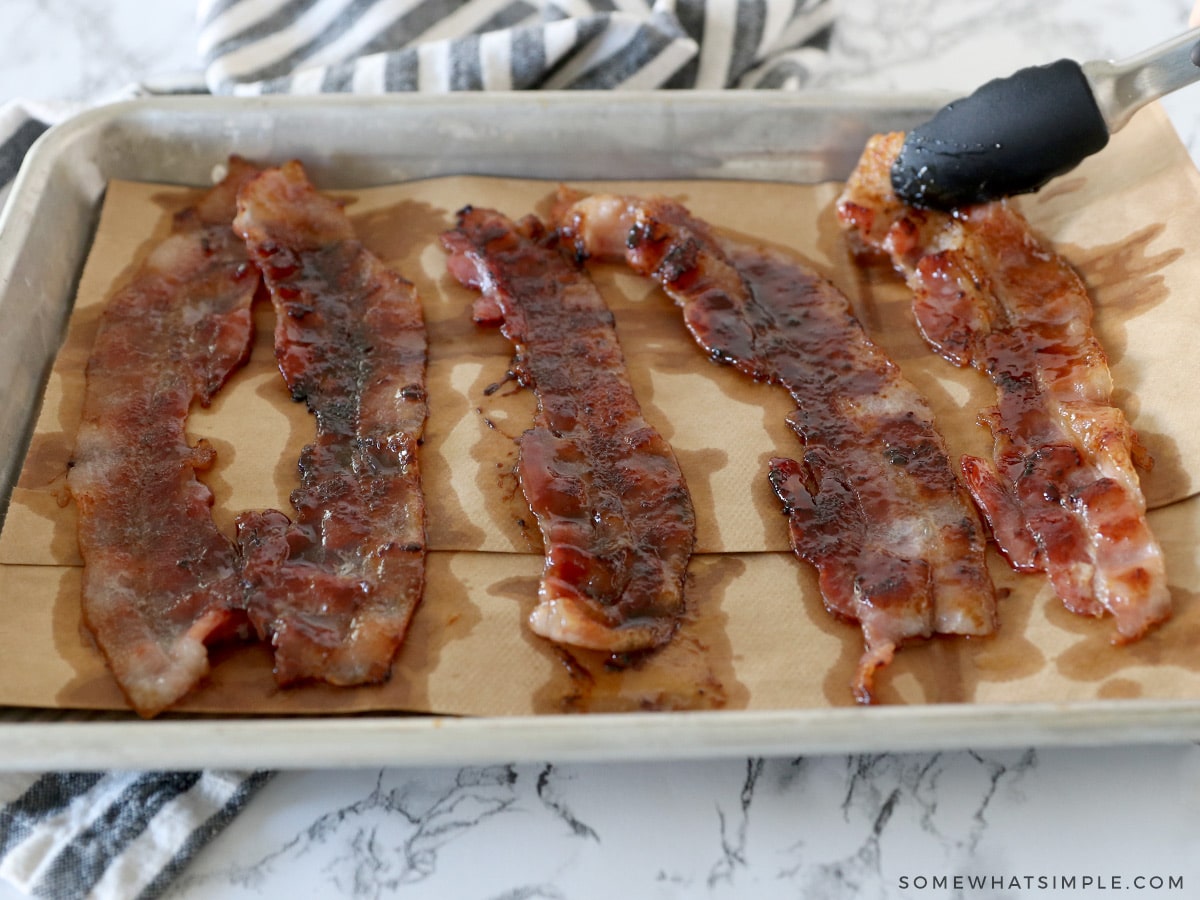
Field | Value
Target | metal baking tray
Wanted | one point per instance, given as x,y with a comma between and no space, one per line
45,234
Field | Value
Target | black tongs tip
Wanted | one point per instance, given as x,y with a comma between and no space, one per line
1009,137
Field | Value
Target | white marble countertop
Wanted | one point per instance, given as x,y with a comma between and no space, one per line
1029,822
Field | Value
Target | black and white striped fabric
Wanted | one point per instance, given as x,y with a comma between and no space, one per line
20,126
23,122
119,835
377,46
255,47
126,835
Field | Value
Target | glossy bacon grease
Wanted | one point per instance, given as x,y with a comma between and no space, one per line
334,590
1062,495
873,503
159,579
615,515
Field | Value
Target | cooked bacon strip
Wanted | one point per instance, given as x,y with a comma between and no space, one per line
334,591
610,500
874,504
159,579
1063,496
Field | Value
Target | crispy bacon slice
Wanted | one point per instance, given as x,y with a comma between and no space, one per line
335,589
1063,495
610,500
873,504
159,579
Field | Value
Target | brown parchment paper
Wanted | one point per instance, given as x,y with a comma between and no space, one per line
757,635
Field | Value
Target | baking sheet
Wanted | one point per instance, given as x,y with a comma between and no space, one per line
761,605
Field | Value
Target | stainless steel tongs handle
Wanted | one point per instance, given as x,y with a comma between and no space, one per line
1122,88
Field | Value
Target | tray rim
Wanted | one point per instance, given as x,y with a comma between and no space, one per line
415,739
367,741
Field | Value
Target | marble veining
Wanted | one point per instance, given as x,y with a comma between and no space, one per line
931,43
81,51
826,826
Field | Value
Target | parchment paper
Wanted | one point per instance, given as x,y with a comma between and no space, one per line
757,635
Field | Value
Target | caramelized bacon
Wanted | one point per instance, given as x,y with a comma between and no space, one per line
159,579
611,503
1062,495
335,589
873,504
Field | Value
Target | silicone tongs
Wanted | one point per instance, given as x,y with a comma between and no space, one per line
1014,134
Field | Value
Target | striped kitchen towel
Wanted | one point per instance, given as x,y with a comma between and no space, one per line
375,46
378,46
22,122
113,835
20,125
127,834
